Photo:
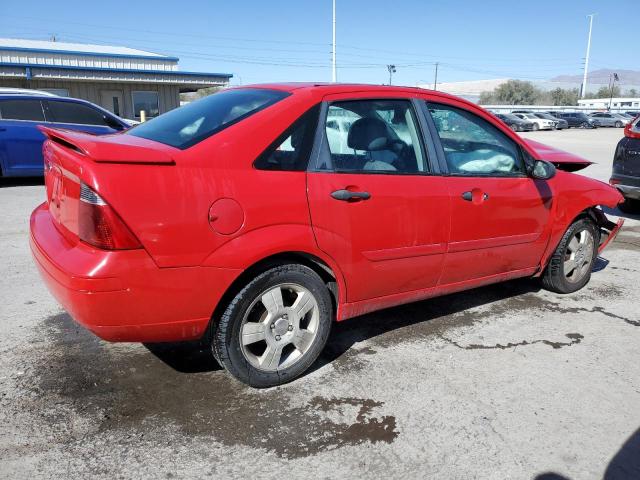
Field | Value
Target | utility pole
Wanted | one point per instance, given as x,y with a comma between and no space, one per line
586,59
613,78
334,75
392,70
435,80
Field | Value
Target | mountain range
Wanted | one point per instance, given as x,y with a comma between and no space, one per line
626,77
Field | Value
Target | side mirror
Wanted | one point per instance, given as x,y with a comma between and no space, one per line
113,123
542,170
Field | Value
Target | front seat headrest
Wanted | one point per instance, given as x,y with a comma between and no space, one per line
368,134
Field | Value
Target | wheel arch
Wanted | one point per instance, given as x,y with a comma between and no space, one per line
333,281
592,212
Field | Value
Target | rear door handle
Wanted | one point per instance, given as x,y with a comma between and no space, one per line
349,196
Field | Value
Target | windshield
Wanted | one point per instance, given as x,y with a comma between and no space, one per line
188,125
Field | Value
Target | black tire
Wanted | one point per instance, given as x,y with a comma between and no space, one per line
226,332
618,124
535,127
515,128
554,277
585,125
630,205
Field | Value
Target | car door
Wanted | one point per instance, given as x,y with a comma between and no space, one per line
377,205
20,139
79,116
499,215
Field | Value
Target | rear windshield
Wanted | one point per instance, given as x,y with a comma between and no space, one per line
196,121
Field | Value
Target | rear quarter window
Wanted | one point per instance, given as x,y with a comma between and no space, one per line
188,125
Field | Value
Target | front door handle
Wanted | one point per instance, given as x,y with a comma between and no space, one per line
349,196
468,196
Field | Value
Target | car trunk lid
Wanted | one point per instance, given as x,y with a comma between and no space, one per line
71,167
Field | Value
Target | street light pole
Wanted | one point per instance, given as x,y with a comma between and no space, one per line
392,70
334,75
435,80
586,59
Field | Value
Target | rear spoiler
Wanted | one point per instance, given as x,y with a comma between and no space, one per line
116,148
562,160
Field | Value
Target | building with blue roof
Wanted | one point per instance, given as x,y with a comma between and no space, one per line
123,80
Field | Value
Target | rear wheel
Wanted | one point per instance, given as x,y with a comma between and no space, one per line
570,266
275,327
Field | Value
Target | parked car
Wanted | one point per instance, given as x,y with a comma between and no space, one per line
575,119
515,123
538,123
25,91
20,116
233,220
634,114
626,167
607,119
559,123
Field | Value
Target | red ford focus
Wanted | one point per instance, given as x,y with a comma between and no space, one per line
257,216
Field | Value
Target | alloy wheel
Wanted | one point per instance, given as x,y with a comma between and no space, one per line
578,256
279,327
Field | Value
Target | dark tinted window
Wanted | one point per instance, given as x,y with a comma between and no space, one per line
290,151
71,112
196,121
21,110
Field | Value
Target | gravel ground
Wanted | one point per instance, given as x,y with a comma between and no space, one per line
507,381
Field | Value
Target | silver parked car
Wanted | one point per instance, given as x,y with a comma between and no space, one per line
607,119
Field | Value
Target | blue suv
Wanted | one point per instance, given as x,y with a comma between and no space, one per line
20,139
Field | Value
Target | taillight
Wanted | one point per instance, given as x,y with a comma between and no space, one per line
100,226
632,130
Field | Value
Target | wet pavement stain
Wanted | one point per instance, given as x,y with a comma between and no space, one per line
133,389
574,338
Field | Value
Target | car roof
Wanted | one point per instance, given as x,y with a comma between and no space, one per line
322,89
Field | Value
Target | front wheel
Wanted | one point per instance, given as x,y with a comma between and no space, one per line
536,127
618,124
275,327
570,266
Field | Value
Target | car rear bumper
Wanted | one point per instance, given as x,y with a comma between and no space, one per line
628,186
123,295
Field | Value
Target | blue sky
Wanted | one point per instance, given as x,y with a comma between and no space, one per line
287,40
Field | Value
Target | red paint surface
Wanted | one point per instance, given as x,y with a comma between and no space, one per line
204,215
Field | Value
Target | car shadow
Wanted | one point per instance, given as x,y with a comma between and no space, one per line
625,464
196,357
185,357
6,182
344,335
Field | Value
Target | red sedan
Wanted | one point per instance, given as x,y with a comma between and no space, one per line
255,217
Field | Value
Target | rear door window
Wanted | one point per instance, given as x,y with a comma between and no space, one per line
21,110
188,125
374,136
71,112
